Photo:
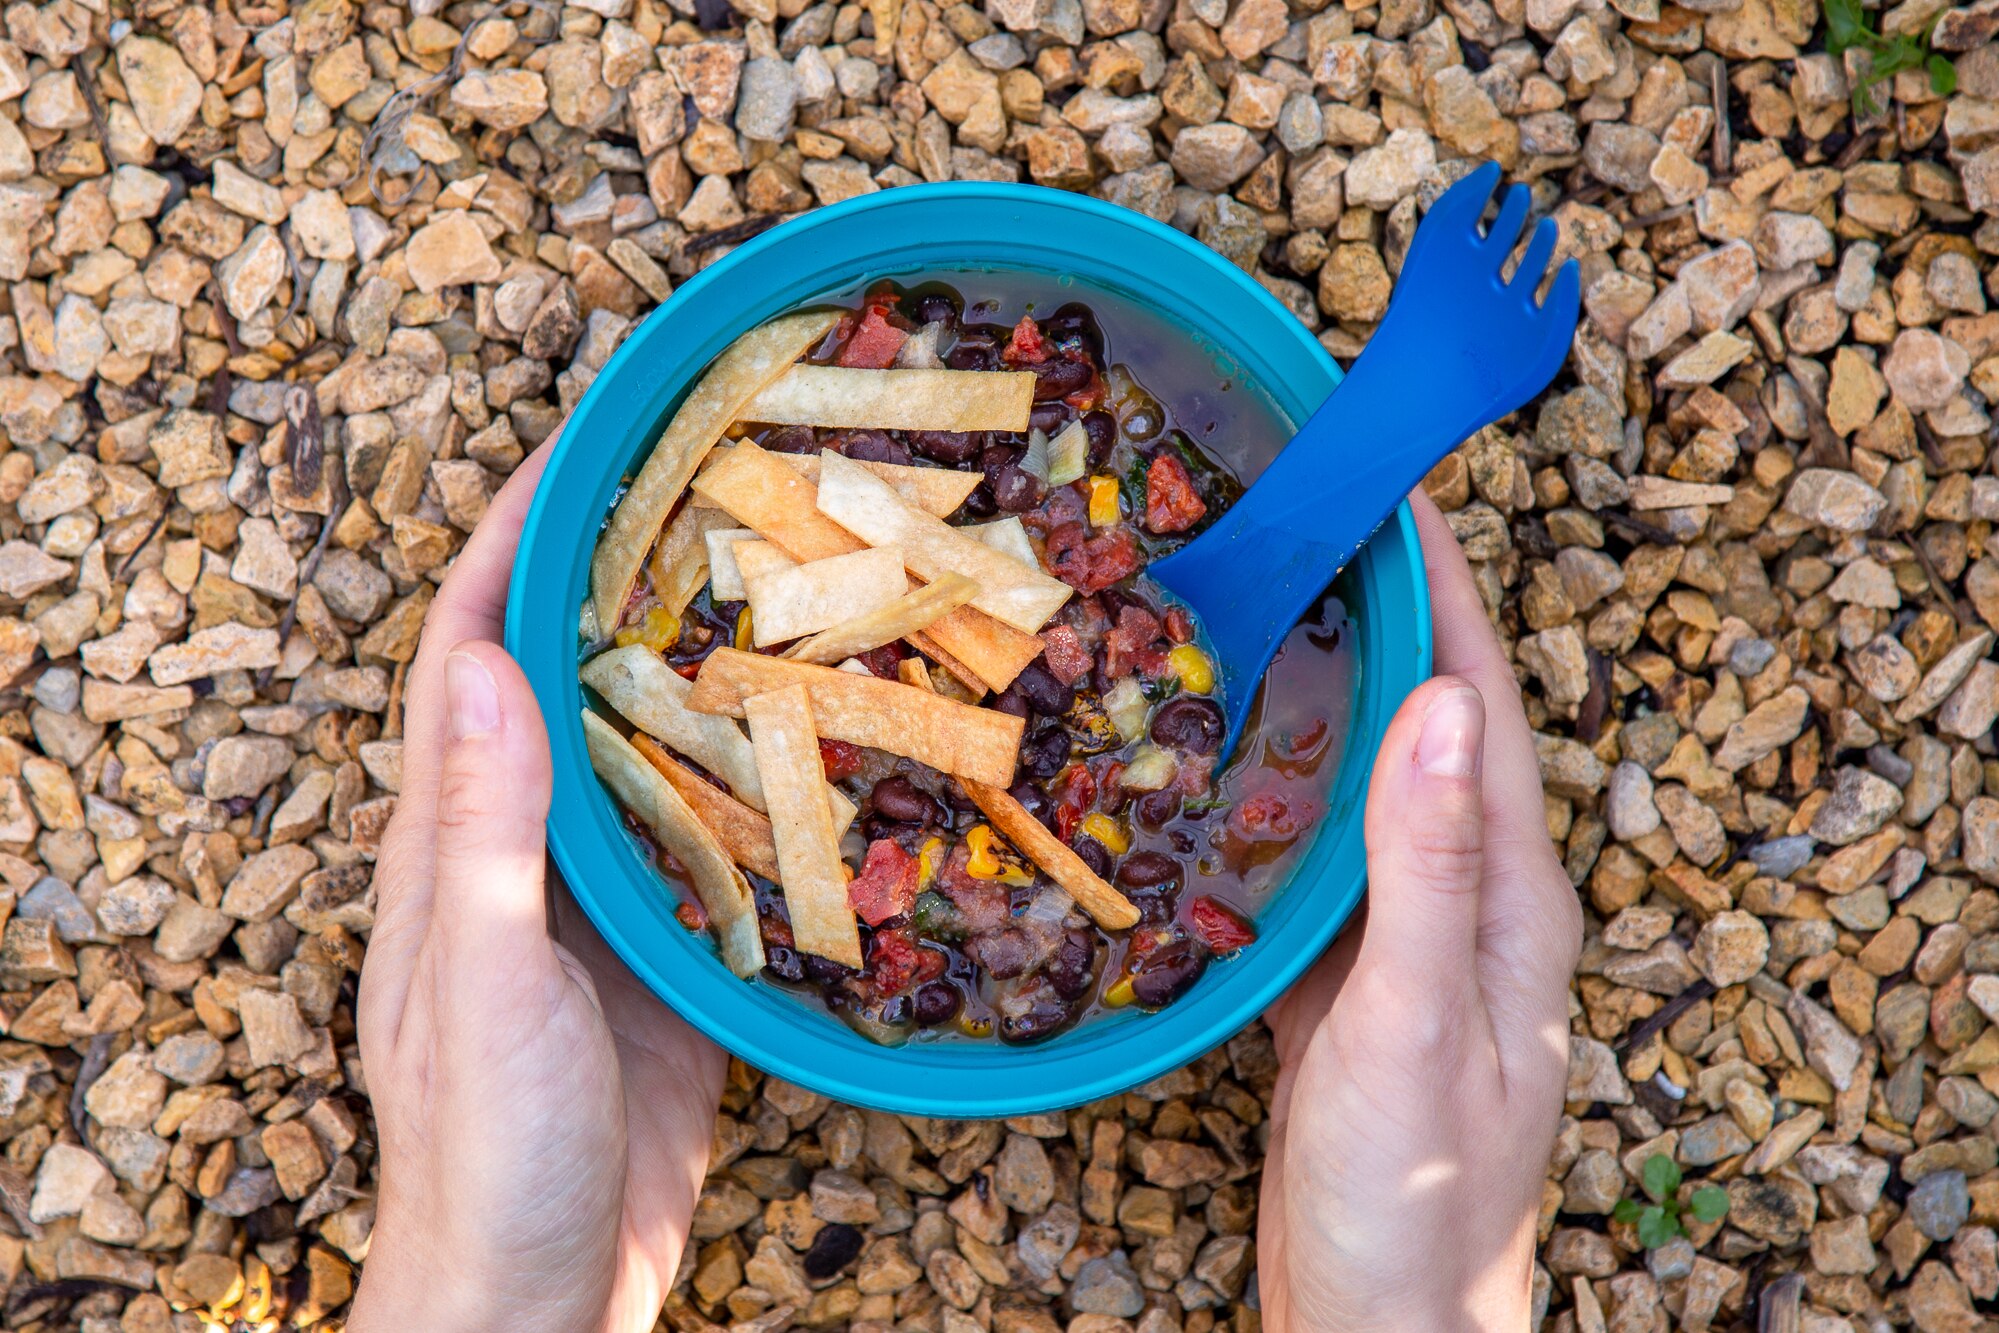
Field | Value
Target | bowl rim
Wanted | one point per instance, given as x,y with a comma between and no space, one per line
581,840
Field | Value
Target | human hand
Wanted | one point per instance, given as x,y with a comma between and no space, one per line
1424,1058
544,1121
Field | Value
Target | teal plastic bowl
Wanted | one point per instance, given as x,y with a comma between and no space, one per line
1087,246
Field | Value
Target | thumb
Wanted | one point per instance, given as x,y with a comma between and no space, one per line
492,804
1426,837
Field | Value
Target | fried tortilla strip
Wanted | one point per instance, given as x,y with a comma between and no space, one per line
725,581
957,738
746,366
679,564
723,891
652,696
1007,535
743,833
1009,591
765,495
896,399
757,557
938,490
902,617
790,603
1112,909
808,851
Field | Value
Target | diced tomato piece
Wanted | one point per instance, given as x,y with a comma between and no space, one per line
1026,347
886,886
1219,926
874,343
687,670
1130,645
1269,815
1068,660
840,759
1090,397
1171,502
1091,564
893,961
1179,625
692,916
1192,776
1075,791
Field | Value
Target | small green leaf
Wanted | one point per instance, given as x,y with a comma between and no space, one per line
1661,1176
1657,1227
1627,1210
1710,1203
1943,75
1845,23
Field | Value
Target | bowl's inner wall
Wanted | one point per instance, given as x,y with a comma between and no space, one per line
1246,336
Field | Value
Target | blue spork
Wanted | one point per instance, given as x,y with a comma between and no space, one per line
1459,348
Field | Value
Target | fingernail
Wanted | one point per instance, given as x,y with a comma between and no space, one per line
1453,734
470,697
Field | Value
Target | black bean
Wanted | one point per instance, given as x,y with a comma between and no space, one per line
1059,379
1156,808
824,971
937,1002
1012,702
1075,325
997,457
1015,491
1189,723
783,964
792,440
1156,907
1048,418
935,309
900,799
1034,800
836,1246
1101,427
1093,854
1043,1018
948,446
972,354
1049,696
1046,752
873,446
1148,870
1167,974
1068,969
980,503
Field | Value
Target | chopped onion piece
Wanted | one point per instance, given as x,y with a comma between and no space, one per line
1149,770
1125,703
1035,461
920,352
1069,454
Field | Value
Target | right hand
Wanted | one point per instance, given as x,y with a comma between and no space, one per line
1424,1058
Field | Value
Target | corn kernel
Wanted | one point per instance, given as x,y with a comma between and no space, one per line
927,861
743,640
975,1027
1119,993
658,629
1108,832
1192,666
986,861
1103,501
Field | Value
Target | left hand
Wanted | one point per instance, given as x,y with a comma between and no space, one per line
544,1121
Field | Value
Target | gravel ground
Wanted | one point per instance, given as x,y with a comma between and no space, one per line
290,291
